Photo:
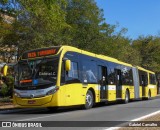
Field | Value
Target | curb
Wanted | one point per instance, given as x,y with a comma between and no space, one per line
8,107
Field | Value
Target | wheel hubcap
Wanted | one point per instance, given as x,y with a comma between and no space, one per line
89,99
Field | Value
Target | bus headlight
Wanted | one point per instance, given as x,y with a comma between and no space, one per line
16,94
52,91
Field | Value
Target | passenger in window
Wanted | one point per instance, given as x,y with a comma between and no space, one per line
103,83
111,78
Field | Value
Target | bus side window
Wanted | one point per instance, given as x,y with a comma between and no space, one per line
127,75
72,76
111,73
143,78
152,79
89,72
73,73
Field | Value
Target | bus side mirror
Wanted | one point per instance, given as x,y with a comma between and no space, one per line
4,70
68,65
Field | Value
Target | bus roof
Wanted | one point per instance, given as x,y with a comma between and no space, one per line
140,68
69,48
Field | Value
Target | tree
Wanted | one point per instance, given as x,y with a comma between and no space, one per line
6,20
85,18
78,23
37,24
149,49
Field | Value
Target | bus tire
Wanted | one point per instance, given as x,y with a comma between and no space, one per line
126,100
89,100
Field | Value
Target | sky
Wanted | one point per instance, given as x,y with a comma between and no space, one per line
140,17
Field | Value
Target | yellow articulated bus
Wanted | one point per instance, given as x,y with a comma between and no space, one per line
148,87
66,76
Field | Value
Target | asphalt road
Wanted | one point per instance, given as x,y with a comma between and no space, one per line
109,112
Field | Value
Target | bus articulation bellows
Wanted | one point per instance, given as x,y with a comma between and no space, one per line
65,76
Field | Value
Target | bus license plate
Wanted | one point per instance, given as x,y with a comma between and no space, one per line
31,101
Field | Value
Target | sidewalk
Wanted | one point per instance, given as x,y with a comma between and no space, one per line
4,106
7,107
151,118
6,103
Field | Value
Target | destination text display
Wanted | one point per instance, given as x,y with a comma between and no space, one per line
40,53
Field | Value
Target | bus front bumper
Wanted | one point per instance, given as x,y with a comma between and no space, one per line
35,102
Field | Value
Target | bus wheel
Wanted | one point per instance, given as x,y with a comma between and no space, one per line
149,95
89,100
126,100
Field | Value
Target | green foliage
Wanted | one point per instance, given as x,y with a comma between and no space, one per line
37,24
84,17
3,2
149,49
4,90
5,100
79,23
7,86
9,81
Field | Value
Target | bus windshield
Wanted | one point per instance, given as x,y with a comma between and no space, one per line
37,72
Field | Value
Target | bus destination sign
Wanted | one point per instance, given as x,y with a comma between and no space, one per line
40,53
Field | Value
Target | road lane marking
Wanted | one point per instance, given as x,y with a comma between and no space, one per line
146,116
34,118
137,119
